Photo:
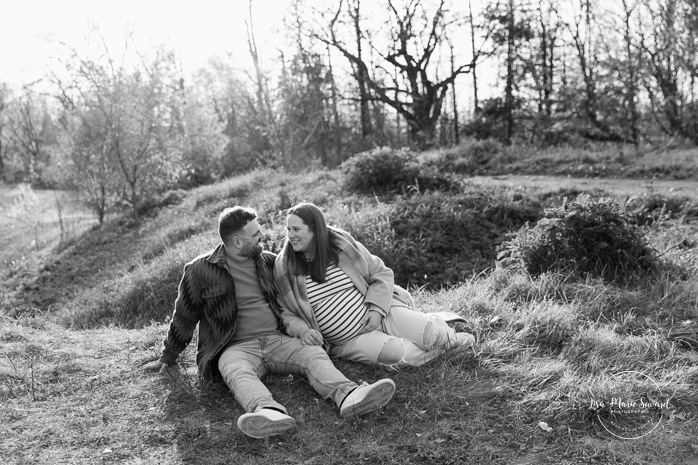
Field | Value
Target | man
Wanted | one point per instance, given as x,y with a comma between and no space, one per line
229,292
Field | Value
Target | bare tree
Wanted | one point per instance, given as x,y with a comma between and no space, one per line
671,50
583,33
476,101
263,105
454,101
335,111
89,168
632,58
361,73
31,132
415,35
548,43
511,36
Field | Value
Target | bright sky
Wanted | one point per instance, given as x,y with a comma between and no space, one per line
31,32
31,29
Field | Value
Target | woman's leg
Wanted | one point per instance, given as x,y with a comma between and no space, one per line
379,348
407,338
427,331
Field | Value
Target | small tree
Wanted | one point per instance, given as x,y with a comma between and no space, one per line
89,168
32,133
134,113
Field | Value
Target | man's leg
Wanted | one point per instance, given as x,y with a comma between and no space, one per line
241,367
286,355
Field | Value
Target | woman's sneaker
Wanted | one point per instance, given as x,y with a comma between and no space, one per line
367,398
463,340
264,423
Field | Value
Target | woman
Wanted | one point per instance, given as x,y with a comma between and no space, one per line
334,292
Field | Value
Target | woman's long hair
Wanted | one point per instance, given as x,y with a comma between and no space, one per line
325,249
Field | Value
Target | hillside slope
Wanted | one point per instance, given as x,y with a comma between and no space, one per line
75,330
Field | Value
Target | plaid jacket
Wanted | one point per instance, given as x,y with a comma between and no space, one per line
207,297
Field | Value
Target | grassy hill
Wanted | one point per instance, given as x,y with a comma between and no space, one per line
77,324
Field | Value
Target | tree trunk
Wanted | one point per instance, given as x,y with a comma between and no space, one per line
335,114
509,89
551,75
362,77
456,131
476,103
631,94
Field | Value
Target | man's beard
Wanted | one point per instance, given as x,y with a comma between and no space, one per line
253,251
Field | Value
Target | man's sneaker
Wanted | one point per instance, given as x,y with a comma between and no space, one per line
367,398
264,423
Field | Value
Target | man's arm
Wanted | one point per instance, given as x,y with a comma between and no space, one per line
155,365
186,315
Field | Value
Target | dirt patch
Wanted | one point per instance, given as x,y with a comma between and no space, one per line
620,187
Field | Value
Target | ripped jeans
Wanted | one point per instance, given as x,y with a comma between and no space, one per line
407,338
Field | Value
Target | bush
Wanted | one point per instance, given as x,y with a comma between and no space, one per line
482,151
435,241
381,169
385,170
649,209
477,157
583,238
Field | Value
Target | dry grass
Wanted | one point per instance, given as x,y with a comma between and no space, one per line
71,390
36,221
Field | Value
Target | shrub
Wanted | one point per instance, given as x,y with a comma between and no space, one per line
477,157
649,209
385,170
381,169
483,150
583,238
433,240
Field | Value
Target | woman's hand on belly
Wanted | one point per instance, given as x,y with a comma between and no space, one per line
372,322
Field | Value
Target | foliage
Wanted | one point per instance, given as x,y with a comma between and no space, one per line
28,138
471,157
428,239
306,131
384,170
649,209
583,238
380,169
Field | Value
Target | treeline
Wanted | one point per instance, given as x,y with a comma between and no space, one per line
122,126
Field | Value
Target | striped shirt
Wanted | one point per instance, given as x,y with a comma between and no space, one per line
338,305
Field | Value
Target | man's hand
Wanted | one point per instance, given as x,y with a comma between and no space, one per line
155,365
311,337
372,321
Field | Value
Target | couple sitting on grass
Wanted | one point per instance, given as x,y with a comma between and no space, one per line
325,293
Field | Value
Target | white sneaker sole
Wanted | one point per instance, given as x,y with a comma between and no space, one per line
260,427
375,399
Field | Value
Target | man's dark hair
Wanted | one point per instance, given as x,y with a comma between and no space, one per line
233,219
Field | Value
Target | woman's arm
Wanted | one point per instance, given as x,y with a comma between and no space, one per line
294,324
378,278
